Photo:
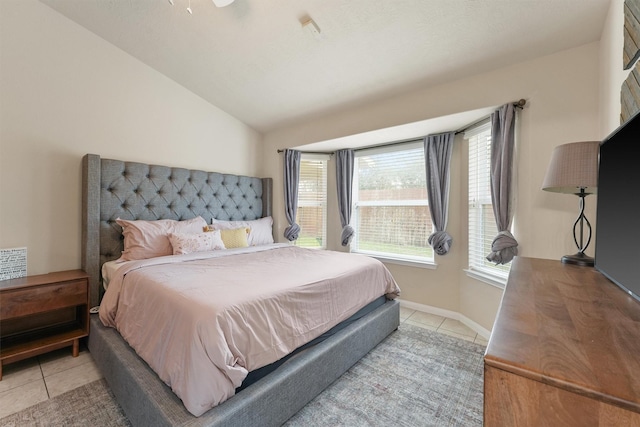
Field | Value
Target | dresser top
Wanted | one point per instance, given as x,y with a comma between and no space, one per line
570,327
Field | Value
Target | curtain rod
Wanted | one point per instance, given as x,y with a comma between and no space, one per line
519,104
404,141
328,153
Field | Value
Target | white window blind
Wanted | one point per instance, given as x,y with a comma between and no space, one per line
391,214
482,224
312,201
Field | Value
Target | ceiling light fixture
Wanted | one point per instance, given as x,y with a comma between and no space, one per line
222,3
217,3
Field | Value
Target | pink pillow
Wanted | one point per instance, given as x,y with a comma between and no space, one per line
186,243
149,239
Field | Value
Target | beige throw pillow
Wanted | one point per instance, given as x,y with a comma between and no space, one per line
260,230
235,238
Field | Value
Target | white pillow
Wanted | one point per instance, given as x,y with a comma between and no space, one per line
186,243
260,230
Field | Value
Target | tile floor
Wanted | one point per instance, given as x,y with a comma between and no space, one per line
440,324
34,380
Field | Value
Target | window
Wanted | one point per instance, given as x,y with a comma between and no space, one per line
312,201
391,214
482,223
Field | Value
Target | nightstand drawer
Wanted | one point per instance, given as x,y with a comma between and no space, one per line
37,299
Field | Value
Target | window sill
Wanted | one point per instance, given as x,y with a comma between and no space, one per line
490,279
400,261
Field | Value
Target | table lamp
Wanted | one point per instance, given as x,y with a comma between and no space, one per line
574,170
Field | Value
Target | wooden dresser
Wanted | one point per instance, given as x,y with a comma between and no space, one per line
43,313
564,350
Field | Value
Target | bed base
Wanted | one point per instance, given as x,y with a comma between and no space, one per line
129,190
271,401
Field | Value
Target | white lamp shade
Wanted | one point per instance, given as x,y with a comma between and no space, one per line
222,3
573,167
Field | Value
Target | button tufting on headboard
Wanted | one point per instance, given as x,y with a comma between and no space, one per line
129,190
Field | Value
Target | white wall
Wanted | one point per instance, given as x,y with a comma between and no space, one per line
611,68
64,93
562,106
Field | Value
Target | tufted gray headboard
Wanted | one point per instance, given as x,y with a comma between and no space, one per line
116,189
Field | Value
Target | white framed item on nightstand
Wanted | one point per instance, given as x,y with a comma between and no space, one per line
13,263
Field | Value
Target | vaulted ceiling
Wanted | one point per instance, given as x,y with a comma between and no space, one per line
256,61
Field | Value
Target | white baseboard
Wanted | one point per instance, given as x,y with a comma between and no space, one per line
485,333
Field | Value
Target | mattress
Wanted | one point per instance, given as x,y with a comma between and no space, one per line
260,373
109,270
204,321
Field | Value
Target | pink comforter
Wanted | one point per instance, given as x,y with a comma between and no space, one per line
203,321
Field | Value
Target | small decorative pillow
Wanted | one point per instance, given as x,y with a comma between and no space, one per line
149,239
186,243
260,230
235,238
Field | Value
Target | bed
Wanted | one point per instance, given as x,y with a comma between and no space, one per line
112,189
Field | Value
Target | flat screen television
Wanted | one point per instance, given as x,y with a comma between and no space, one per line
617,254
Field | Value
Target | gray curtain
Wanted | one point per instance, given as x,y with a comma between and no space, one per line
344,179
437,154
504,246
291,179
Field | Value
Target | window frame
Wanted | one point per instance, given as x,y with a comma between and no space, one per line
402,259
478,267
314,157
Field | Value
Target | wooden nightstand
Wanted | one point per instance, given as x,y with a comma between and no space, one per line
43,313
